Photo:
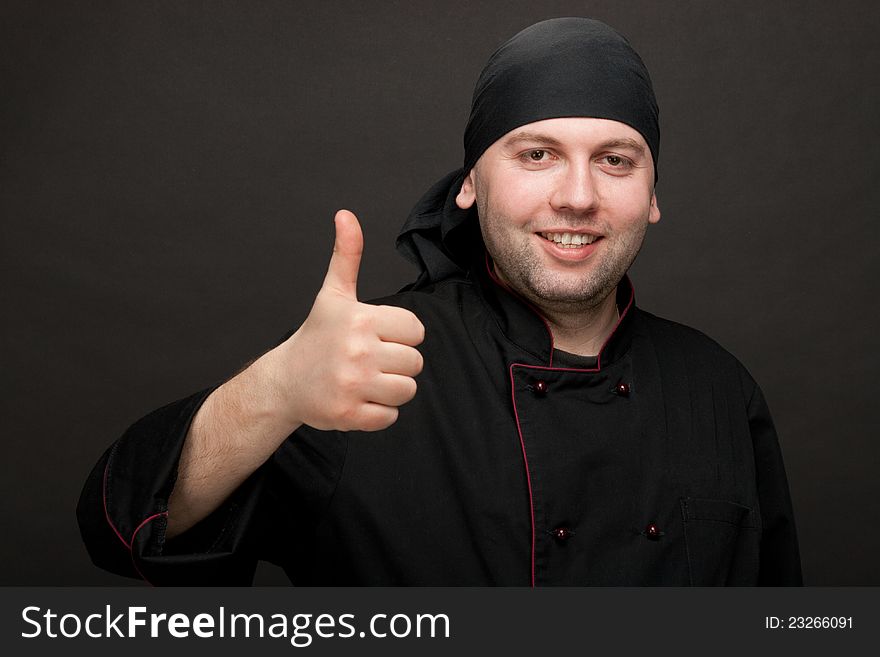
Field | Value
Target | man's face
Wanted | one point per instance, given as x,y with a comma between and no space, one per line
564,205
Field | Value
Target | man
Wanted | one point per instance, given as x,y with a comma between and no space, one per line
510,418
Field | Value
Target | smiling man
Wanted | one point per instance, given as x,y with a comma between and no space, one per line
564,205
510,418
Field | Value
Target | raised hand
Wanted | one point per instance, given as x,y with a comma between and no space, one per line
350,365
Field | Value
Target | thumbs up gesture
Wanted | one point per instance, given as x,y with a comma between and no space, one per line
350,365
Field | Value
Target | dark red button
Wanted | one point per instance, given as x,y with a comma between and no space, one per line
622,389
540,387
561,533
652,532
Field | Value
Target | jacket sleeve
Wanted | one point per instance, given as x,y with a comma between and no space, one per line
273,515
123,510
780,562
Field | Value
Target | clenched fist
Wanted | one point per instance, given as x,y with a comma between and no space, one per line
350,365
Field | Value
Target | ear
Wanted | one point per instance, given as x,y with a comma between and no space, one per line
467,194
654,214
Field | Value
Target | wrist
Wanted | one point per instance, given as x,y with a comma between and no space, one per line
268,385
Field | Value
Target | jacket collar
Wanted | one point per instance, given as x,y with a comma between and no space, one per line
524,325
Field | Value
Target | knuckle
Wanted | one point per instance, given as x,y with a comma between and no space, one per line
356,351
348,416
347,382
361,320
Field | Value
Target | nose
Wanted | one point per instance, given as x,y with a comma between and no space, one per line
574,189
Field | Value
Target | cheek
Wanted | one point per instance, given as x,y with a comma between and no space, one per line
521,200
627,206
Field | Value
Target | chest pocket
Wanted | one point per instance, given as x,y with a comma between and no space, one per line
720,537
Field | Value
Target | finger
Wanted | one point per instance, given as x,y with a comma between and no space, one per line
345,262
395,358
398,325
392,389
375,417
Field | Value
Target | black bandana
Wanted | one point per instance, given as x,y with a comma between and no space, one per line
563,67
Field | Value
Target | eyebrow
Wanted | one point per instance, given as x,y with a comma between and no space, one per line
525,135
625,142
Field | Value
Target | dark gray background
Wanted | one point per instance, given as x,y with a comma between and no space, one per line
169,173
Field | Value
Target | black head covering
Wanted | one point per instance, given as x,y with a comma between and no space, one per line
556,68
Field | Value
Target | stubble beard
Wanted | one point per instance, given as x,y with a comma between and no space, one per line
519,264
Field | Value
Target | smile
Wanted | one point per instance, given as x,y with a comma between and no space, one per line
569,240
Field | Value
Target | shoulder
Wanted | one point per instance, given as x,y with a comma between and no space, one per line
675,333
694,349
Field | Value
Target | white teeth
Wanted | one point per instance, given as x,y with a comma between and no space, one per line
569,240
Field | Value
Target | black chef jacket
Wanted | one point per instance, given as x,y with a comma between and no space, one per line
515,464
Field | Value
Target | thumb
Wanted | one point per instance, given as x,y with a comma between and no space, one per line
346,259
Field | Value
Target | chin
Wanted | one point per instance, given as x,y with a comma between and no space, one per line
587,290
563,293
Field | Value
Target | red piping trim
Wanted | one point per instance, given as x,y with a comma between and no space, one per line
106,513
556,369
134,533
505,286
528,476
140,526
632,296
128,544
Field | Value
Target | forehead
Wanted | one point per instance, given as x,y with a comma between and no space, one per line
574,132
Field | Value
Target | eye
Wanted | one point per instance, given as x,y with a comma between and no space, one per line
537,158
617,164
